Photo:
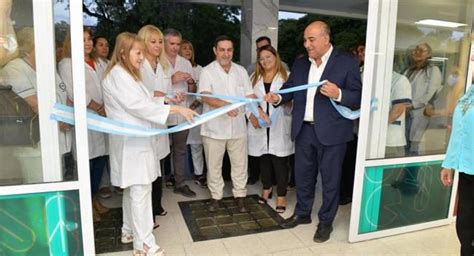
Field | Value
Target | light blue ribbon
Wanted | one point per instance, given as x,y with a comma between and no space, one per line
98,123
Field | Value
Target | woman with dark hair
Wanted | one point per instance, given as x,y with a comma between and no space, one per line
94,102
459,157
272,143
425,80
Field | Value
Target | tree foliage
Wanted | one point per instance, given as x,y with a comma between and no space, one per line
200,24
345,33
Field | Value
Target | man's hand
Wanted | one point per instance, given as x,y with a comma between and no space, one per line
233,113
271,98
446,177
180,76
180,96
330,90
64,127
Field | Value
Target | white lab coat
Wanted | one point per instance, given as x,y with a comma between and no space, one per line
93,92
65,137
280,141
133,160
157,81
424,84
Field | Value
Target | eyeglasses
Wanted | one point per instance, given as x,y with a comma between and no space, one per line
419,50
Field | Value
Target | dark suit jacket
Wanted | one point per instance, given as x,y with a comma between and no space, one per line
330,127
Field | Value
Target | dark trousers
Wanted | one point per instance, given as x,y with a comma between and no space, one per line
310,157
157,191
274,166
348,169
178,150
292,181
253,169
465,218
96,167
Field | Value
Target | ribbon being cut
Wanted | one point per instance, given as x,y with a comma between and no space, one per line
98,123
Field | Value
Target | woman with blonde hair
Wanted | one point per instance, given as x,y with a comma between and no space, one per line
271,144
94,102
133,159
156,78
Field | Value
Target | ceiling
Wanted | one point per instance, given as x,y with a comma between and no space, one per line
409,11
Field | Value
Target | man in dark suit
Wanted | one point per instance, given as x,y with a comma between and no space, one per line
319,131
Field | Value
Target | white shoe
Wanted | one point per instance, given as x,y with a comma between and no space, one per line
155,250
126,238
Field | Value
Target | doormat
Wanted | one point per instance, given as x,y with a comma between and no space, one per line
107,233
228,221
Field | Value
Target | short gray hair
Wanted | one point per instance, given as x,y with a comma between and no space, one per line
172,32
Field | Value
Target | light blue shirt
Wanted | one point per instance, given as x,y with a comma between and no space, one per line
460,154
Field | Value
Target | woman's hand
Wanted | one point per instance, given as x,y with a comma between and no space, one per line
187,113
264,116
446,177
254,122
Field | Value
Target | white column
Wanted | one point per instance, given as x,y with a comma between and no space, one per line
259,18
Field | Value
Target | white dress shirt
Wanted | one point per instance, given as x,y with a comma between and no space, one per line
314,76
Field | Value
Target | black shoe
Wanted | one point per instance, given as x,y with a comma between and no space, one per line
213,205
185,191
322,233
169,183
200,180
294,221
345,200
241,204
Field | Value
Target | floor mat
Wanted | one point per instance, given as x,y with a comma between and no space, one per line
107,233
227,221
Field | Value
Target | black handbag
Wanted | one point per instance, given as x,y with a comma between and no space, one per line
19,124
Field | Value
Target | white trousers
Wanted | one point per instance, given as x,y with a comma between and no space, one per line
138,215
214,151
198,158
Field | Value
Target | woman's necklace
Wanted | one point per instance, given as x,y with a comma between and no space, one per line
467,100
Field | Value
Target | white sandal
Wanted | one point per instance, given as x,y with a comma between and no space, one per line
155,250
126,238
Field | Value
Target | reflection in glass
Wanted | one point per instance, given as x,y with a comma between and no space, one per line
425,79
395,197
434,58
41,224
20,152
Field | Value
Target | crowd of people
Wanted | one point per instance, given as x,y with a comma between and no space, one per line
293,136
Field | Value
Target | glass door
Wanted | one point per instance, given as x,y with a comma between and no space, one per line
45,205
416,66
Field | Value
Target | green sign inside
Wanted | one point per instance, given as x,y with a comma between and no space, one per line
40,224
401,195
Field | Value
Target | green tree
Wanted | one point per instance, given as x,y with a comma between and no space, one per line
198,23
345,33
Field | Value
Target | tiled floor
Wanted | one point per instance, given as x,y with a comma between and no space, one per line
174,237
